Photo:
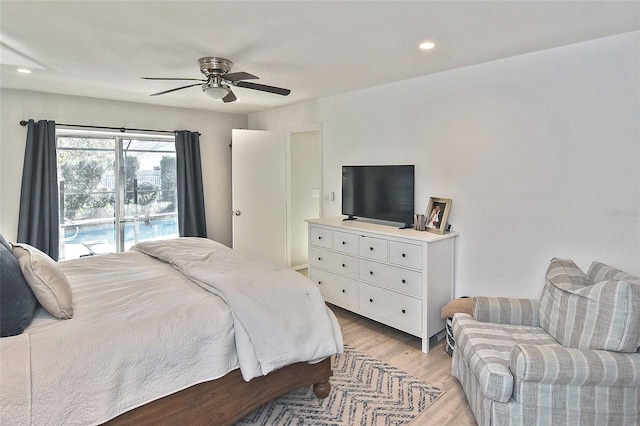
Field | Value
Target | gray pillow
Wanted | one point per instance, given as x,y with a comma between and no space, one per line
562,275
17,301
4,242
583,315
600,272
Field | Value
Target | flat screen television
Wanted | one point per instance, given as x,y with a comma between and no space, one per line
379,192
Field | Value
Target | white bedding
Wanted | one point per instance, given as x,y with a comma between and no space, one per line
15,380
135,337
279,315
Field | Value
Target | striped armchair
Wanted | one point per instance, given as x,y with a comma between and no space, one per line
570,358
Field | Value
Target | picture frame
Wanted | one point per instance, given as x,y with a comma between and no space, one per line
437,215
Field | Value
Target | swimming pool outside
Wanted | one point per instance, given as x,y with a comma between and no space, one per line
86,238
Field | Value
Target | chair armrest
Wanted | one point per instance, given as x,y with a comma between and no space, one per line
502,310
556,364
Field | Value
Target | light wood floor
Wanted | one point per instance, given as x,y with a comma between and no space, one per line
403,351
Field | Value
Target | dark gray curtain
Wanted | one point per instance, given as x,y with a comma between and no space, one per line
38,223
191,215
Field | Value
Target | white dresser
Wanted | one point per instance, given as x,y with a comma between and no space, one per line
399,277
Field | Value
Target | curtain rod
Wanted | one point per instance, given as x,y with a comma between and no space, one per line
121,129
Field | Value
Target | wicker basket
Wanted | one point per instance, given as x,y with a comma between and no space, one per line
461,305
451,343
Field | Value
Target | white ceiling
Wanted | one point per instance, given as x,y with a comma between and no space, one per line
316,49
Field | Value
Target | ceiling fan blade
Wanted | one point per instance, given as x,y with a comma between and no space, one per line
235,76
177,88
170,78
263,88
229,98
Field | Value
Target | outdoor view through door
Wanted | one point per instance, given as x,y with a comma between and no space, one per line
115,191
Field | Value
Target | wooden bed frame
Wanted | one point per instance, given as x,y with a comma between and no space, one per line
228,399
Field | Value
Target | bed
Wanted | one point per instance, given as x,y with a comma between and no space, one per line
177,331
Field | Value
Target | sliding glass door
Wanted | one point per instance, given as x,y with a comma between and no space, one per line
115,190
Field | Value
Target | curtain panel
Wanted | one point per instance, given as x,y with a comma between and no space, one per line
191,213
38,222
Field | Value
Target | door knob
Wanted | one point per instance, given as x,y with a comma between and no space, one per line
237,213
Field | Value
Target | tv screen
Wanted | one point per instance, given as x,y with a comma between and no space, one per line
379,192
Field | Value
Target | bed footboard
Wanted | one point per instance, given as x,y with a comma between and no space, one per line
228,399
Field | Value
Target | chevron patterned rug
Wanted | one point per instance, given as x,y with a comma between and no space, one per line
364,391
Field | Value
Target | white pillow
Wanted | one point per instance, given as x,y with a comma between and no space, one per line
47,281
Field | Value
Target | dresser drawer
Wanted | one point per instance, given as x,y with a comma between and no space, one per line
383,273
404,254
320,237
389,305
335,262
392,277
334,287
374,248
346,243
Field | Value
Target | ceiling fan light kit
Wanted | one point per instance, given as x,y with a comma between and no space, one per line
216,90
219,80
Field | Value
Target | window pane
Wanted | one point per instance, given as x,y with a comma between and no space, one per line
102,208
87,195
150,196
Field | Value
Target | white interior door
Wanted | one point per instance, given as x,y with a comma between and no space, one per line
259,193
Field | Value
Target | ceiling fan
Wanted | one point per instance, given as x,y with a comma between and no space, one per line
219,80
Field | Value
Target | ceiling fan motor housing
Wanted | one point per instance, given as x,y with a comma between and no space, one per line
214,66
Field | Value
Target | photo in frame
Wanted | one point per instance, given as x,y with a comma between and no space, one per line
437,214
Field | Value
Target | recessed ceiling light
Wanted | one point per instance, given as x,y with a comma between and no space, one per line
24,70
427,45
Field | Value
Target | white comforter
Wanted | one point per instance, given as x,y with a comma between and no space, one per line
279,316
142,330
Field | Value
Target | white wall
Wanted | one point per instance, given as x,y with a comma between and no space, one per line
540,154
304,177
215,129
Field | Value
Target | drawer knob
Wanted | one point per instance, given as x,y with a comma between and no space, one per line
344,242
343,265
371,300
371,248
320,237
404,281
370,272
404,312
404,255
319,282
319,258
344,291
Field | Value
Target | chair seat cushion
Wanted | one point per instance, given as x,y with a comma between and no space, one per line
486,348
